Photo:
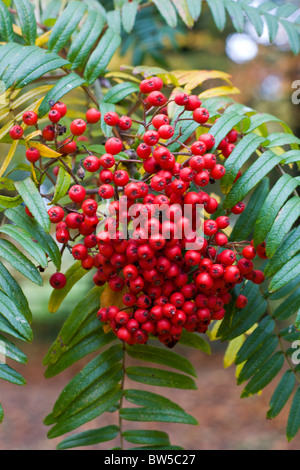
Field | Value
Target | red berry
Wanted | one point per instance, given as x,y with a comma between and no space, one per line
156,98
77,127
49,132
32,154
113,145
61,108
58,280
125,123
91,163
241,301
92,115
201,115
54,116
56,214
30,118
111,118
77,193
16,132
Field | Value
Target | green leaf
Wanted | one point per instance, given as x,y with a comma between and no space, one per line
195,8
292,34
236,14
270,208
15,317
105,108
254,341
140,436
19,261
224,125
6,52
73,274
281,394
260,168
238,157
291,156
26,242
1,413
255,18
244,224
289,272
194,340
289,307
293,424
184,12
154,414
161,356
150,400
63,183
21,219
218,12
10,375
65,25
260,119
286,251
118,92
12,352
34,202
27,20
161,378
283,223
91,437
104,403
102,55
8,202
85,40
90,375
128,14
13,290
272,24
61,88
279,139
6,28
265,375
167,11
114,21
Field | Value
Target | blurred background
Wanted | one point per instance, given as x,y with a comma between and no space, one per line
264,74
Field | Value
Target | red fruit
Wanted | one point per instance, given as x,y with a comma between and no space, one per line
147,85
221,239
32,154
106,191
92,115
201,115
217,172
113,145
245,265
201,179
78,127
77,193
74,220
56,214
204,281
143,151
211,206
111,118
193,103
257,276
125,123
227,257
197,163
216,271
166,131
123,334
151,137
58,280
121,178
16,132
61,108
241,301
249,252
181,99
232,136
54,116
79,251
231,274
261,250
30,118
107,160
223,221
210,227
106,176
228,150
160,120
68,146
156,98
198,148
91,163
238,208
208,140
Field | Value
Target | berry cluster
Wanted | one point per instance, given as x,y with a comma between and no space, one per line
170,276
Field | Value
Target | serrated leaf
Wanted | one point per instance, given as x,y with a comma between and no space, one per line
292,34
66,25
113,18
89,413
261,334
194,340
184,12
239,156
27,20
293,423
15,317
264,376
223,125
270,208
102,55
61,88
236,14
128,14
90,437
272,24
218,12
6,29
63,182
10,375
20,218
18,260
260,168
11,351
120,91
153,414
289,307
167,11
289,272
141,436
281,394
161,356
282,224
34,202
279,139
232,350
150,400
85,40
13,290
284,253
26,242
161,378
105,108
244,224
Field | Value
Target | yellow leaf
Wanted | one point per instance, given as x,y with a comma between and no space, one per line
111,298
32,107
232,350
17,30
122,75
107,328
5,129
238,369
9,157
219,91
212,333
44,150
43,39
193,78
33,134
31,94
34,174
